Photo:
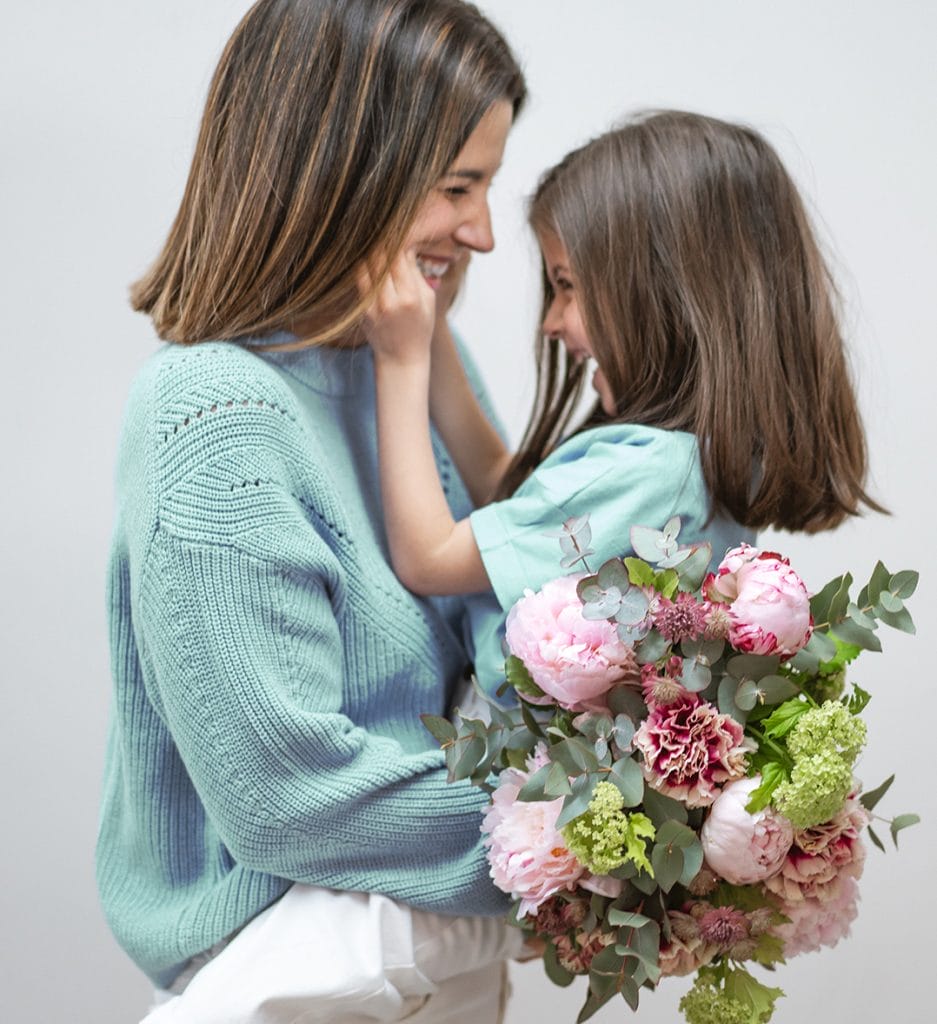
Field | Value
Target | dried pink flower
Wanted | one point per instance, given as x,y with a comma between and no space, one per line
823,858
556,916
527,854
690,750
723,927
574,660
576,954
815,923
664,686
681,619
685,952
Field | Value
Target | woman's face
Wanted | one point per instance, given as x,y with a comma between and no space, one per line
455,217
564,316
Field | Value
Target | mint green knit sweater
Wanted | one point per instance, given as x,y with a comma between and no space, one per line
268,668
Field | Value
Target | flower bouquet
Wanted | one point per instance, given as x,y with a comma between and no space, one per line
674,792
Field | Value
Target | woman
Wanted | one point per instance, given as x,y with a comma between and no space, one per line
269,669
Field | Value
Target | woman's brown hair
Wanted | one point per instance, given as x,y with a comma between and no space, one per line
711,310
327,124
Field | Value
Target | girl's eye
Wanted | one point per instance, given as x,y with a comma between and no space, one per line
564,284
455,190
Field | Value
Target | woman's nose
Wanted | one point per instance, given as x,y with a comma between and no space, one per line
475,232
552,322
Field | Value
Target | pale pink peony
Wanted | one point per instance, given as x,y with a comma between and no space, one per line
816,923
744,848
769,606
823,859
527,854
690,750
572,659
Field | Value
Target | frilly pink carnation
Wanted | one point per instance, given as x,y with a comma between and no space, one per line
528,856
572,659
815,923
744,848
690,750
769,606
823,859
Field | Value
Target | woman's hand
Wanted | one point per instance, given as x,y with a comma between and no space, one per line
399,323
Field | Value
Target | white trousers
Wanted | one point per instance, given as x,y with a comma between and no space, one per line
317,955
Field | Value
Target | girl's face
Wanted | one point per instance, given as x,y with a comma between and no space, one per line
455,217
564,319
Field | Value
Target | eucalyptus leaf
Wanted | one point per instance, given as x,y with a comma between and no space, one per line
623,732
805,661
840,600
626,775
674,833
554,970
592,1005
852,633
695,676
897,620
588,589
890,602
442,729
578,800
613,574
606,606
557,782
821,645
870,799
875,839
633,607
859,617
752,666
568,561
878,582
652,648
534,788
653,545
746,695
693,570
901,822
692,861
820,602
466,753
774,689
904,583
663,809
633,633
623,700
626,918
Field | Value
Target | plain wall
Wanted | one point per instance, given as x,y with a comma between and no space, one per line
100,102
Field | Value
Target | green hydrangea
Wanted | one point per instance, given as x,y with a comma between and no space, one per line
706,1004
604,837
830,727
816,791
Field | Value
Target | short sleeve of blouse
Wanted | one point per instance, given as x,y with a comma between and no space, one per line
620,475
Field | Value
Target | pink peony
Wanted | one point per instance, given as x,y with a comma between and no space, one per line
769,606
527,854
690,750
744,848
572,659
815,923
823,859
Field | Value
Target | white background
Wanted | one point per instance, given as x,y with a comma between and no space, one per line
100,101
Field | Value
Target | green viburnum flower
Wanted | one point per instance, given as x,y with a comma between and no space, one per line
828,728
604,837
706,1004
816,791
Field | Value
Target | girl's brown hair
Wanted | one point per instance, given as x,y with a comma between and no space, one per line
327,124
710,310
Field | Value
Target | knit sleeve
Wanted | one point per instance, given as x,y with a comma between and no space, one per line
241,608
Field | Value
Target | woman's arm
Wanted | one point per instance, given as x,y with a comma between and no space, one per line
430,551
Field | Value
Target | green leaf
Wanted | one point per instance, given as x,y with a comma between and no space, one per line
662,809
530,721
692,571
667,862
897,620
746,695
694,675
534,788
772,775
822,601
633,608
626,918
775,689
554,970
463,757
667,582
752,666
852,633
858,700
613,574
805,661
652,648
822,646
592,1005
578,800
784,717
442,729
575,755
889,602
870,799
743,988
640,573
901,822
875,839
626,775
859,617
692,862
557,782
674,833
878,582
708,651
903,584
623,700
520,678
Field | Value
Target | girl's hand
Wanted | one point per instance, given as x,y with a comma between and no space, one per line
399,323
450,284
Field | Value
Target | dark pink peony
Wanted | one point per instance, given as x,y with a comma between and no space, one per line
690,750
769,607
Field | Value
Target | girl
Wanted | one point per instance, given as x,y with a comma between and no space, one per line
277,838
677,255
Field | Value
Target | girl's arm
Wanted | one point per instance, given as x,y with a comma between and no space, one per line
478,452
430,551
